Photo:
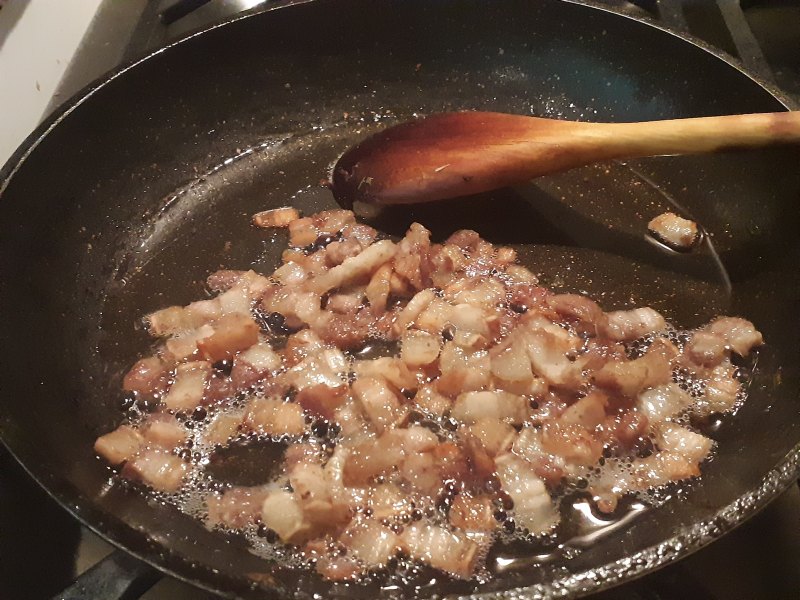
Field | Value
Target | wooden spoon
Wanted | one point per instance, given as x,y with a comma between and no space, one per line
455,154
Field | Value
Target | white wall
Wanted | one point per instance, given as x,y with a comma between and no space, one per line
37,40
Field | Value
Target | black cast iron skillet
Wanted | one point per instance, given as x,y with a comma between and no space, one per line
125,199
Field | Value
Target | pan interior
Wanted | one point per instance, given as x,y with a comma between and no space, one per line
583,231
250,116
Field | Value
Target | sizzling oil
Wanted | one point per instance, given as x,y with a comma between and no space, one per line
559,233
255,460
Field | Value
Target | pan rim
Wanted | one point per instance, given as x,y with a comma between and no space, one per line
685,543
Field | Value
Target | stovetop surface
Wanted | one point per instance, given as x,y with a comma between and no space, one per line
42,548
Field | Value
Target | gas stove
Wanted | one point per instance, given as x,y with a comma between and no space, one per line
42,548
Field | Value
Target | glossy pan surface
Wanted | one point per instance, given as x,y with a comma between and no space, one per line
139,187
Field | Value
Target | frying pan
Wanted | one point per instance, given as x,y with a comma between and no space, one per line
144,182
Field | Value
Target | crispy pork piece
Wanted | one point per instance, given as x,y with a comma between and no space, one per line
276,217
119,445
676,232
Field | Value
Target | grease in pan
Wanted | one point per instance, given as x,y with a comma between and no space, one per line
423,400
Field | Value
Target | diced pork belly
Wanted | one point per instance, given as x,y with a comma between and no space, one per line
495,435
451,552
722,389
119,445
302,453
236,507
222,428
629,325
533,508
432,402
255,363
184,346
371,458
377,291
447,262
471,407
680,440
301,345
451,460
159,469
628,429
290,274
186,391
469,326
664,401
574,443
282,513
662,468
434,317
510,361
676,232
528,445
411,260
322,400
325,367
241,297
549,347
332,221
588,412
631,377
165,431
481,293
172,320
419,348
351,418
274,417
346,303
740,335
219,388
312,489
422,473
371,543
363,234
224,279
357,267
472,513
276,217
299,308
335,567
339,251
411,311
374,457
232,333
462,370
147,376
415,438
387,500
577,308
302,232
178,320
392,370
351,331
705,348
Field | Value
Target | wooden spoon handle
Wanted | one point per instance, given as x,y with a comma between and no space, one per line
697,135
